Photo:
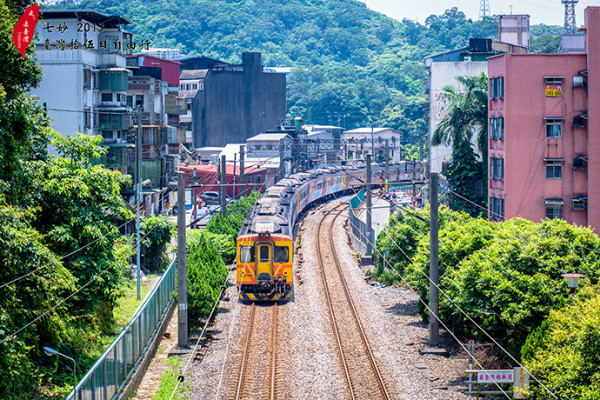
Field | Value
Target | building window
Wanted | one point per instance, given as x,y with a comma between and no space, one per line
106,96
496,208
553,169
553,211
139,101
553,128
107,134
497,168
87,78
579,121
578,81
87,118
497,128
553,85
496,88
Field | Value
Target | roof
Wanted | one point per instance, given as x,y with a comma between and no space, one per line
110,21
228,169
155,58
268,137
369,130
193,74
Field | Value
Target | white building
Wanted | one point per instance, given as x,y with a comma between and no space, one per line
82,54
368,140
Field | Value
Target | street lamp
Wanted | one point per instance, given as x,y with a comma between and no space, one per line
572,282
51,352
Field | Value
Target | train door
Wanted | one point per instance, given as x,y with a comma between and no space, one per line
264,262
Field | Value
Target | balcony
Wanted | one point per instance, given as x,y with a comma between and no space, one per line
113,79
113,120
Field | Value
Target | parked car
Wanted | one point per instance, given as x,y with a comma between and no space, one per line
210,197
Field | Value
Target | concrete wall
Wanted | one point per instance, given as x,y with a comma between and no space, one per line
444,74
238,103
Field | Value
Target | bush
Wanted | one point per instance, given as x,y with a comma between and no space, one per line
154,245
567,355
506,276
206,274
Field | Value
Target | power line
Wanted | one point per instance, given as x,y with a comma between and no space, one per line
468,316
65,299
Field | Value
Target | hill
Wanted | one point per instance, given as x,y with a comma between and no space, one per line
352,66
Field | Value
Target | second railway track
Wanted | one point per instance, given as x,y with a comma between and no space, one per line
364,380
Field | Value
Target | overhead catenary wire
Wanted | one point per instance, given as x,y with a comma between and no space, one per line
470,318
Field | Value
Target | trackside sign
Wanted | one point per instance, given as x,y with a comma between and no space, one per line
497,376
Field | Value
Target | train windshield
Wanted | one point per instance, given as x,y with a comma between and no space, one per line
246,254
282,254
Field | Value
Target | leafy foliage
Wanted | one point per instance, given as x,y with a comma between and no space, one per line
506,276
158,231
467,114
206,273
566,356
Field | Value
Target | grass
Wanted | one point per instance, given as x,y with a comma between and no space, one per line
128,304
168,382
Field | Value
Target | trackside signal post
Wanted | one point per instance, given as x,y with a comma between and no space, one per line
369,209
182,320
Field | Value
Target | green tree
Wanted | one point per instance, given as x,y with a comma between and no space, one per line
467,113
157,232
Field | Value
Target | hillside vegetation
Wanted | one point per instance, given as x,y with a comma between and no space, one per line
353,66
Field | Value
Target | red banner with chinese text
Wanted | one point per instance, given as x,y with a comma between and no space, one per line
23,32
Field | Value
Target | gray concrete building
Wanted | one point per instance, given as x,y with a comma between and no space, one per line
237,102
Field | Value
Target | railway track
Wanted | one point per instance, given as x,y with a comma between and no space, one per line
362,375
257,377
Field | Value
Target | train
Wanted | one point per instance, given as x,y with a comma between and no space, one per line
265,244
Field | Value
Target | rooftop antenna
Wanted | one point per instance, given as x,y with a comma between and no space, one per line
511,7
570,26
484,9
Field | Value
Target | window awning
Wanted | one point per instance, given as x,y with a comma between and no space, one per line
561,118
554,202
549,160
583,116
553,77
580,198
584,72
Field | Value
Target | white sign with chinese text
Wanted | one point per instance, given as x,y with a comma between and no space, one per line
497,376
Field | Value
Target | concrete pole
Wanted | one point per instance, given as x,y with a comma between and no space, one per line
182,321
369,209
234,175
223,187
138,199
434,329
387,163
242,171
281,171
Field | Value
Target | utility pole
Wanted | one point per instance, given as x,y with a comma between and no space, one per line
182,322
138,197
223,187
369,210
234,175
421,149
281,161
387,163
434,328
194,202
242,171
372,143
484,9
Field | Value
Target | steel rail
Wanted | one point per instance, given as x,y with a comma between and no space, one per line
250,328
347,292
274,361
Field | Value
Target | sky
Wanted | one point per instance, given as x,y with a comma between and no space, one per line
549,12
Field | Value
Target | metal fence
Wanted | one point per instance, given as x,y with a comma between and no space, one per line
357,226
110,373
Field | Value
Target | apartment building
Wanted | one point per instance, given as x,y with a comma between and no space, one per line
544,115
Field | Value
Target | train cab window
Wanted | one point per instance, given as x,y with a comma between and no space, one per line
264,253
246,254
282,254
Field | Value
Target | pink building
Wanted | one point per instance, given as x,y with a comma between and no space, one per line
544,119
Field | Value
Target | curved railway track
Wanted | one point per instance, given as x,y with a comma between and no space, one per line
362,375
257,377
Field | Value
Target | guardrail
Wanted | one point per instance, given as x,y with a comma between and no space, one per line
357,226
108,375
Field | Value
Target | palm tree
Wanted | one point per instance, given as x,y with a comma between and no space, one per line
467,114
